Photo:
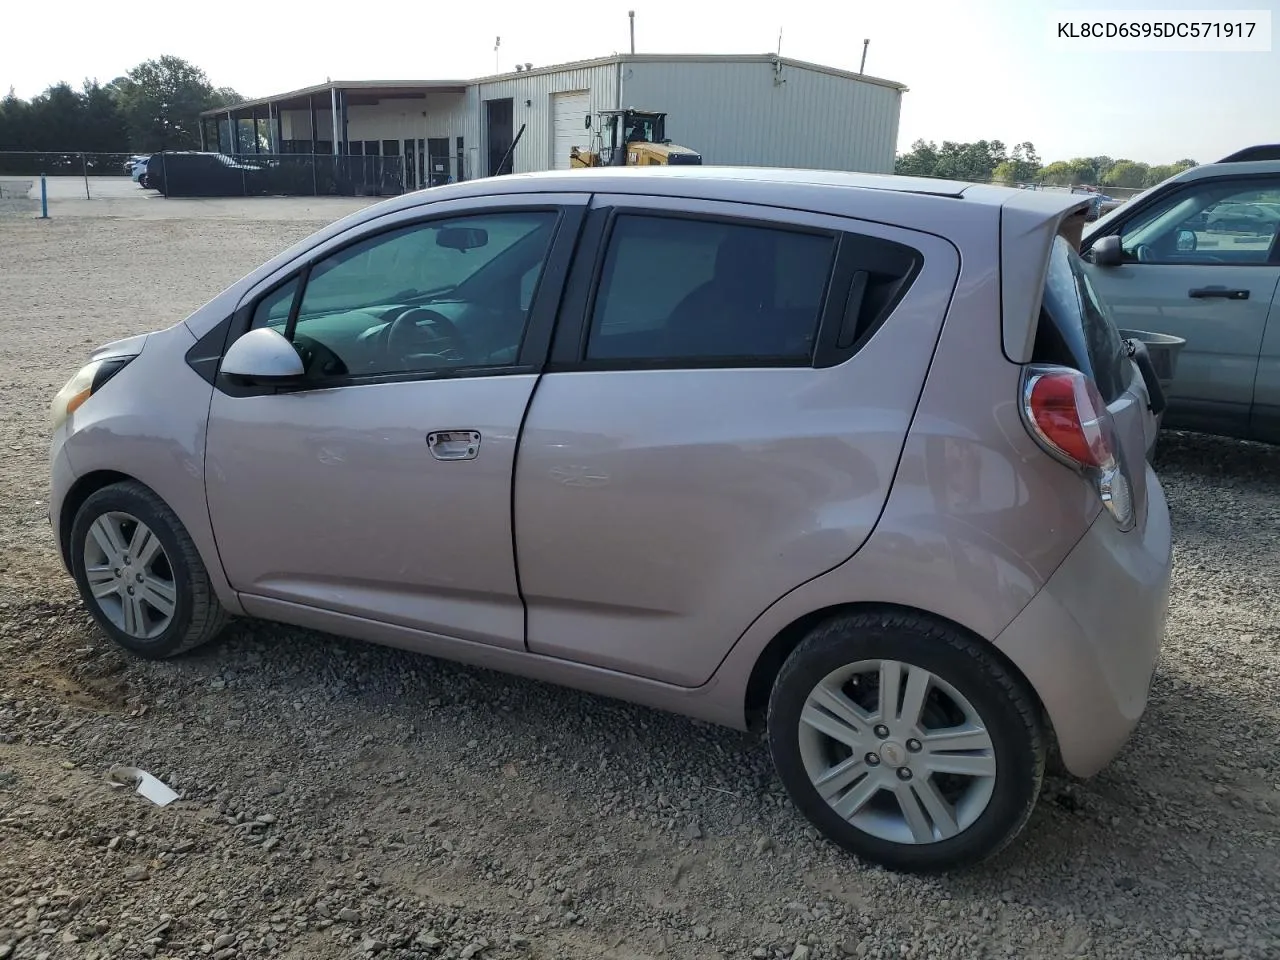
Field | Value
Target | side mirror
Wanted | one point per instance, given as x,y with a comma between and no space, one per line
262,355
462,238
1107,252
1187,241
586,121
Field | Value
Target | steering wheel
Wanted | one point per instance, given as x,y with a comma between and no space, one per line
318,360
1146,254
403,338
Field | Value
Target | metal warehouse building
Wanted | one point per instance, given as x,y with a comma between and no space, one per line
755,110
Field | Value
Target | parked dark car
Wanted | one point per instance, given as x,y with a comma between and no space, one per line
1254,218
191,173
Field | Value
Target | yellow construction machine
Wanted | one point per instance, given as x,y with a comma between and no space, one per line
630,138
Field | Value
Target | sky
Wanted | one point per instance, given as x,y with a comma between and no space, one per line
975,69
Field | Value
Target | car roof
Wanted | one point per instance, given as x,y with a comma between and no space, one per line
1234,168
950,208
572,180
830,191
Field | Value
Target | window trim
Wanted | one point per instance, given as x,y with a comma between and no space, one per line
533,350
573,329
858,253
853,252
1117,227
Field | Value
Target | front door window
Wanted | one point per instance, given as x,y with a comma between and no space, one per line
425,298
1234,221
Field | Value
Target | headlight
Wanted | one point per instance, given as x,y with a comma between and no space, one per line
82,386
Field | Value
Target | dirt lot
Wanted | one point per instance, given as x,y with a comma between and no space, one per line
342,800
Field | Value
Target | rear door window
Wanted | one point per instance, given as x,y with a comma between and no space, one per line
1076,327
680,289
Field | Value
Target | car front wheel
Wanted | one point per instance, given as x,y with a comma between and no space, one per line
906,742
140,574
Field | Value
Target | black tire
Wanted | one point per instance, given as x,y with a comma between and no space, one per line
1008,709
197,617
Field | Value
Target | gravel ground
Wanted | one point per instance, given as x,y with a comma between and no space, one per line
344,800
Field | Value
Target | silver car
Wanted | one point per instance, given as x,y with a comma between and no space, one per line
1197,257
859,459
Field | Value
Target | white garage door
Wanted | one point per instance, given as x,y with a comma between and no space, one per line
568,112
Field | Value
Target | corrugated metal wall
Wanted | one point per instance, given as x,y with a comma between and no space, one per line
734,113
534,152
731,110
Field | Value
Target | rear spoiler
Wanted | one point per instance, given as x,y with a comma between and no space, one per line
1029,222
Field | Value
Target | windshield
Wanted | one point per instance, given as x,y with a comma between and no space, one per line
647,129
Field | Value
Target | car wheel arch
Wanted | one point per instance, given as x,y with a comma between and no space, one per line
80,491
774,654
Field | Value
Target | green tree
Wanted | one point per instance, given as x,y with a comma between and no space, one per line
1163,171
1006,172
103,128
1127,173
921,161
970,161
1023,165
1070,173
1058,173
63,119
1102,165
161,101
15,123
960,161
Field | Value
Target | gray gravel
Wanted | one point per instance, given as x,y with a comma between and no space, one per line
341,800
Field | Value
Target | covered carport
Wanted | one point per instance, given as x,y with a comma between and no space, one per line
420,122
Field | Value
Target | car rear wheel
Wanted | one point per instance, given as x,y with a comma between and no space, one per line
140,575
906,742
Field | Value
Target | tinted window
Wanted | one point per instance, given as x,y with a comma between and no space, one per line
683,289
1076,326
433,296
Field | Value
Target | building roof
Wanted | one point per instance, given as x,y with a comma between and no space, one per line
358,90
374,90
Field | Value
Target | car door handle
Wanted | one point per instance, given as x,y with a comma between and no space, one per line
454,444
1204,293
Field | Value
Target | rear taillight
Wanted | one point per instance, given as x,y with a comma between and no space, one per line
1068,417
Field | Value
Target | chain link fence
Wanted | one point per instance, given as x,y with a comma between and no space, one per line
84,175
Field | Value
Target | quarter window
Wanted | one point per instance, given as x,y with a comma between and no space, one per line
678,289
273,309
430,297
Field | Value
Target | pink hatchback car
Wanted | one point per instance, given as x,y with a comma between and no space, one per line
862,457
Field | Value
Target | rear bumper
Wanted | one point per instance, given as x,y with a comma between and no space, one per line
1090,640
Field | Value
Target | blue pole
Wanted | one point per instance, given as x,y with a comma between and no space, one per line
44,198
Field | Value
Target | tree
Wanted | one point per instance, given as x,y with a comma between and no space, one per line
15,123
1070,173
224,97
920,162
1163,171
103,128
1023,165
161,101
959,161
984,160
1127,173
1006,172
63,119
1102,165
1057,173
